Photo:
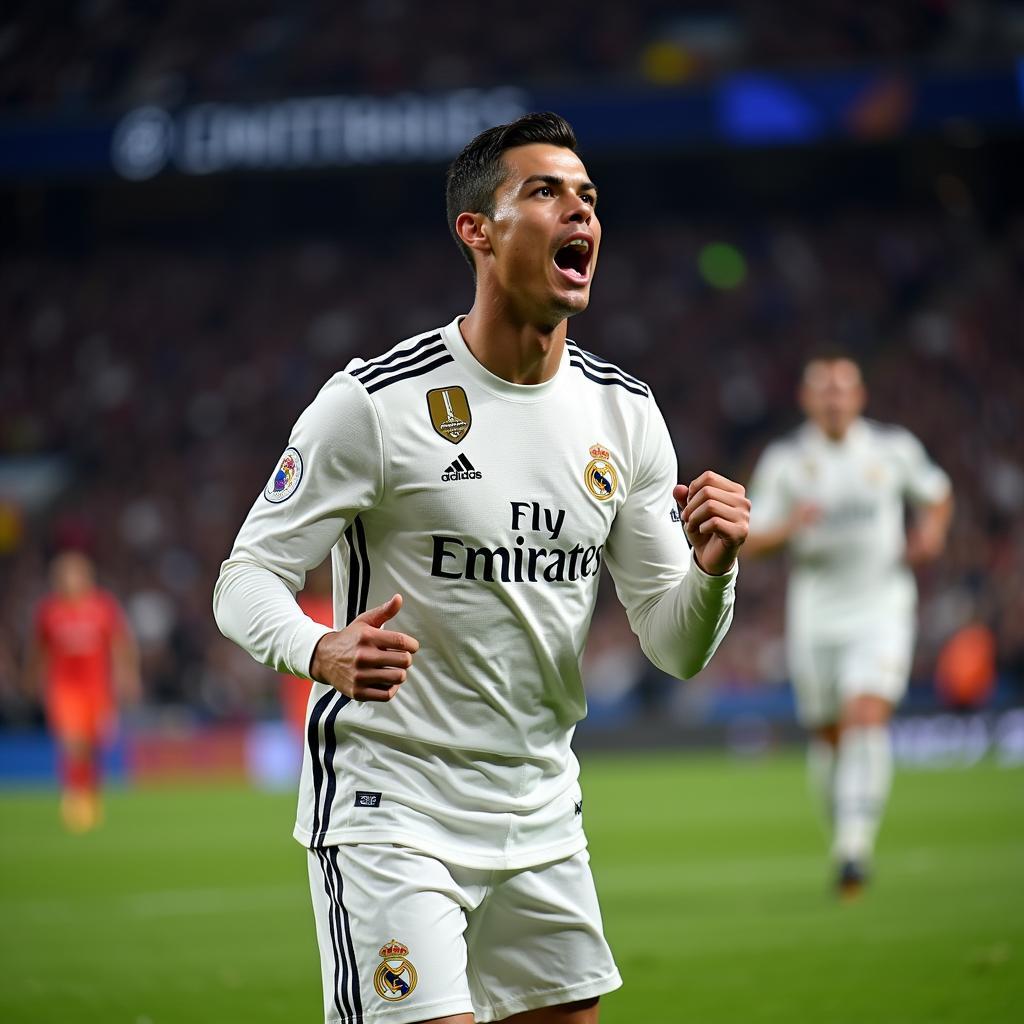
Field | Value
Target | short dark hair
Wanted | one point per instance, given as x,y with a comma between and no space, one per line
476,173
830,352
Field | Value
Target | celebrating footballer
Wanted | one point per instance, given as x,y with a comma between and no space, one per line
470,485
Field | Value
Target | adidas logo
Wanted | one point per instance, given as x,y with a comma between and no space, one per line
461,469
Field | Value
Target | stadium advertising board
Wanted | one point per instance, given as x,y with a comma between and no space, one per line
307,133
318,132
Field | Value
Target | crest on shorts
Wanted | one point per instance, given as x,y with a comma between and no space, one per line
285,478
600,476
395,977
450,413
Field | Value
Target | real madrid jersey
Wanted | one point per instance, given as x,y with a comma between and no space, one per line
848,564
493,508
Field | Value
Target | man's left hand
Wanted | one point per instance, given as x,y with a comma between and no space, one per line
716,517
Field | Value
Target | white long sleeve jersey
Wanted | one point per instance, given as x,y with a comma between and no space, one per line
492,508
849,569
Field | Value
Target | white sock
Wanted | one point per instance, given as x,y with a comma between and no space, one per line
821,776
863,781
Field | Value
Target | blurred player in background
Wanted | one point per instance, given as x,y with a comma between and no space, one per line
470,483
833,493
82,651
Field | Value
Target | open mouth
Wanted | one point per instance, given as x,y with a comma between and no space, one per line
573,258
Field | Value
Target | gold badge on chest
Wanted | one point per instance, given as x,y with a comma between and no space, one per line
450,415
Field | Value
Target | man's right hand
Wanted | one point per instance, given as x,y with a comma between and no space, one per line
767,542
362,660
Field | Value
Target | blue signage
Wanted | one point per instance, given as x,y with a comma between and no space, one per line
307,133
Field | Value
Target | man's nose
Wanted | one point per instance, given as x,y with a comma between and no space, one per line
580,212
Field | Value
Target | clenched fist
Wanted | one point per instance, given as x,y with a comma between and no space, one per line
716,517
362,660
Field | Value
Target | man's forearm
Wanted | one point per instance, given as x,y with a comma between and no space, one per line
127,668
927,538
766,542
256,609
681,630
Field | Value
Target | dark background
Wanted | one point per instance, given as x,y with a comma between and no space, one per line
159,337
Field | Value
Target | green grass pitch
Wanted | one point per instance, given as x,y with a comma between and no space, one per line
190,905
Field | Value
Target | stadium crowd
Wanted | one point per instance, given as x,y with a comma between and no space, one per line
69,57
157,385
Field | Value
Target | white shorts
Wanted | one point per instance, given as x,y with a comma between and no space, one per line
828,673
405,937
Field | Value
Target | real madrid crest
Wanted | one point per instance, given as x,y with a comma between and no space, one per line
395,977
449,413
600,476
285,478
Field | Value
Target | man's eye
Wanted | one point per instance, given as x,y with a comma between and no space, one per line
544,190
588,198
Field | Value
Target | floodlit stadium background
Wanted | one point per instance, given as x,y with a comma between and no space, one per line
203,217
203,222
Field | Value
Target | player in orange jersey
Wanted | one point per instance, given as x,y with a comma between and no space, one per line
85,655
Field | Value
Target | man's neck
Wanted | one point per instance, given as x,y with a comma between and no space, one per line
510,346
836,436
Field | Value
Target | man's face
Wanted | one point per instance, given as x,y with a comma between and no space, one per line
72,574
832,394
544,234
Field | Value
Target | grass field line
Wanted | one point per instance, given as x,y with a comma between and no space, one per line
172,902
167,902
650,876
636,879
846,930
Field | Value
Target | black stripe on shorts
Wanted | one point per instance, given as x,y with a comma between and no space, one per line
342,1001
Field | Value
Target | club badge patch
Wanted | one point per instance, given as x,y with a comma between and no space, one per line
285,478
395,977
449,413
600,476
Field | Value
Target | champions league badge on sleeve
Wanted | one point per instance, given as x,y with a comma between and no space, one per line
285,478
395,977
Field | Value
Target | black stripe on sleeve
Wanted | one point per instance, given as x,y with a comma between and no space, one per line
600,366
415,372
368,373
642,390
397,353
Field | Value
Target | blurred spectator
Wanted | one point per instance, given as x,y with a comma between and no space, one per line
165,378
965,673
59,56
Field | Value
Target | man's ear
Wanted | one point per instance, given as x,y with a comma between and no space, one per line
472,229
